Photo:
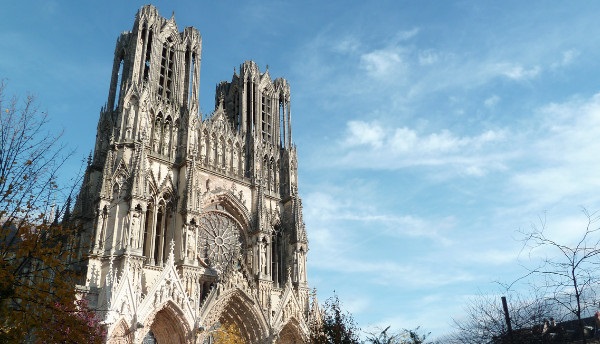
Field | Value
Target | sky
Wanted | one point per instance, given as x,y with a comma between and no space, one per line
429,132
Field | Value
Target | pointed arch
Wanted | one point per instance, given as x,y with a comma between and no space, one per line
238,309
292,333
231,205
168,325
121,333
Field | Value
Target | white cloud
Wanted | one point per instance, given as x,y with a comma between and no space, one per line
567,59
361,133
385,63
492,101
335,209
518,72
393,273
428,57
373,145
562,147
348,44
406,35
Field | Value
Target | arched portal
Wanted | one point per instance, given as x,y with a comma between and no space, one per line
169,326
240,312
121,334
291,333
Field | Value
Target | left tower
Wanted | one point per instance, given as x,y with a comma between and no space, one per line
192,226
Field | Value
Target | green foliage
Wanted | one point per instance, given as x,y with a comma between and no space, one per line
335,326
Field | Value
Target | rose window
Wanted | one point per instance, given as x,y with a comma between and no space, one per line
220,241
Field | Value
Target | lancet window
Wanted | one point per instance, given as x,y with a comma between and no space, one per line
119,81
157,232
190,66
165,82
163,136
148,231
266,119
277,257
147,49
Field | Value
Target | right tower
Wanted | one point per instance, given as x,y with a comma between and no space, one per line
193,224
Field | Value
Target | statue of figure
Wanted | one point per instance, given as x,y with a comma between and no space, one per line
156,138
211,152
219,161
191,242
135,229
242,165
296,276
234,163
194,140
143,128
166,141
227,159
202,150
301,269
162,293
129,120
173,149
155,144
263,257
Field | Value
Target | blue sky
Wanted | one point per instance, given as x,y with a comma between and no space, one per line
428,132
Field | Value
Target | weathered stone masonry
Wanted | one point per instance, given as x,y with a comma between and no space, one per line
189,223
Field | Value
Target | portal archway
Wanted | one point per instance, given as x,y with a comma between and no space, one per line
121,334
241,312
168,326
291,333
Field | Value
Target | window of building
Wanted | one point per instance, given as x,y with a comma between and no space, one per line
266,118
165,82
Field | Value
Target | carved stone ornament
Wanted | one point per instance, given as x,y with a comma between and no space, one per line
220,240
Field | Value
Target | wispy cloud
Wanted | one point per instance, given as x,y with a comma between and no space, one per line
374,145
518,72
562,152
384,64
336,210
568,57
492,101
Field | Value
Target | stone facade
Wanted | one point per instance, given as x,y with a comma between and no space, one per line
191,223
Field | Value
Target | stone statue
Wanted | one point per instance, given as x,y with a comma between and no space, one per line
191,242
135,229
263,257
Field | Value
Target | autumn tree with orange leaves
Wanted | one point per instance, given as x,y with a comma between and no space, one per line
228,334
39,302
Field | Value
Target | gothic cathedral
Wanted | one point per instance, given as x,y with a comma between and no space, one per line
191,225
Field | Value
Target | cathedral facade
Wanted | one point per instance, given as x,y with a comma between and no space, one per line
192,224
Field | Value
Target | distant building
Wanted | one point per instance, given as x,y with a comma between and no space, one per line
191,224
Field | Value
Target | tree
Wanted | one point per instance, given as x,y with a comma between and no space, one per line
383,337
228,334
38,298
404,337
569,271
334,326
484,320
